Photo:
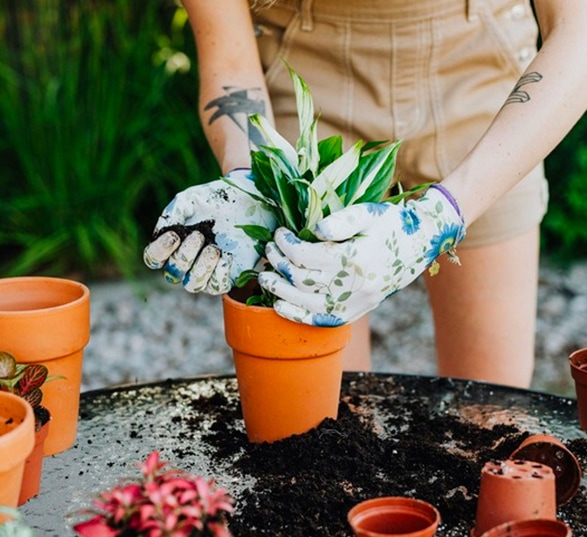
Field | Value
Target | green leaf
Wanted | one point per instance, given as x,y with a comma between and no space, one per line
7,365
258,233
336,172
375,175
330,149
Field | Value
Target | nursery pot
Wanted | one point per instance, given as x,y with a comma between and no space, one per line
530,528
549,450
33,466
514,490
17,437
47,321
394,516
289,374
578,364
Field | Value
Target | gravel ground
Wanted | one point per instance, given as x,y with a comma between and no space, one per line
149,330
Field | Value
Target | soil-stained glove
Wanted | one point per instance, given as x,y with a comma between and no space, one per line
371,251
196,241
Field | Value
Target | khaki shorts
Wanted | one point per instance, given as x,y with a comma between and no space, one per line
430,72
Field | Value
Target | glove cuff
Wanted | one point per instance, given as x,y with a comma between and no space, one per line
240,171
451,199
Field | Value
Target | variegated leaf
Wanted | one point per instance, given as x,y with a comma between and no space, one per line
336,172
274,140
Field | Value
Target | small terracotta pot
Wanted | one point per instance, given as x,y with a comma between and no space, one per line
33,467
47,321
549,450
17,438
530,528
394,515
289,374
578,364
514,490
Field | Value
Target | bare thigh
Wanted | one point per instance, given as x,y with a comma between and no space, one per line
485,311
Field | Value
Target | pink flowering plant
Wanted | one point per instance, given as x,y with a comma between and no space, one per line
162,503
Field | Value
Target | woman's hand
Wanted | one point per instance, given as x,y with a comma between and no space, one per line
196,241
369,251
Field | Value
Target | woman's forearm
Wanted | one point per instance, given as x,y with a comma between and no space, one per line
544,105
232,85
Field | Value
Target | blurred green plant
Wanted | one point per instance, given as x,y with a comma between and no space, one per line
564,232
98,130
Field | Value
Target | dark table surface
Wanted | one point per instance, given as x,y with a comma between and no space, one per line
120,426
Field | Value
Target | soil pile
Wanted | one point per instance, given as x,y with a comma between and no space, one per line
402,445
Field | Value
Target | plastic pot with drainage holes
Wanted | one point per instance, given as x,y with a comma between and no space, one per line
513,490
549,450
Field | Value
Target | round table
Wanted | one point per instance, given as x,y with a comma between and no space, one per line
120,426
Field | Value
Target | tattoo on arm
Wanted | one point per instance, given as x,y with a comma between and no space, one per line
518,95
238,104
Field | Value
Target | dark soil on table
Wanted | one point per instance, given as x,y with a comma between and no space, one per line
306,484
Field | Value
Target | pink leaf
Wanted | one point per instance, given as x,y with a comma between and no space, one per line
34,398
95,527
34,376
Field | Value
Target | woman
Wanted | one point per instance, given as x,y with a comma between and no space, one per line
477,108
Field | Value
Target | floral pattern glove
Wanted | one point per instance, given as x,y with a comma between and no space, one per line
196,241
369,252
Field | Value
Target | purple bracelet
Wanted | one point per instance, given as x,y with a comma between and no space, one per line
450,198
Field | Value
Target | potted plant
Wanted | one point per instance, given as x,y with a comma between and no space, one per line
25,380
17,437
294,381
162,502
46,320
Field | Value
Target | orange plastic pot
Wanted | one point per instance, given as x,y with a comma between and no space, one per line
578,364
17,438
33,467
47,320
513,490
394,516
289,374
530,528
549,450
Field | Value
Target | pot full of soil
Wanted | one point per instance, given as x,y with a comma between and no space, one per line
394,516
578,364
530,528
47,320
33,467
549,450
17,437
289,374
514,490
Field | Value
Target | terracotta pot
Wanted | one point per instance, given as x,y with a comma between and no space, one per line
578,364
530,528
514,490
33,467
289,374
394,515
47,321
547,449
17,437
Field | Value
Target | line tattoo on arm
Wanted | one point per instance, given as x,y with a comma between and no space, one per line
518,95
238,104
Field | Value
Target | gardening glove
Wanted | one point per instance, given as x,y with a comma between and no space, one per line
196,241
370,251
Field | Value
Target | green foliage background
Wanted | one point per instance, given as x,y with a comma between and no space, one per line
98,131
